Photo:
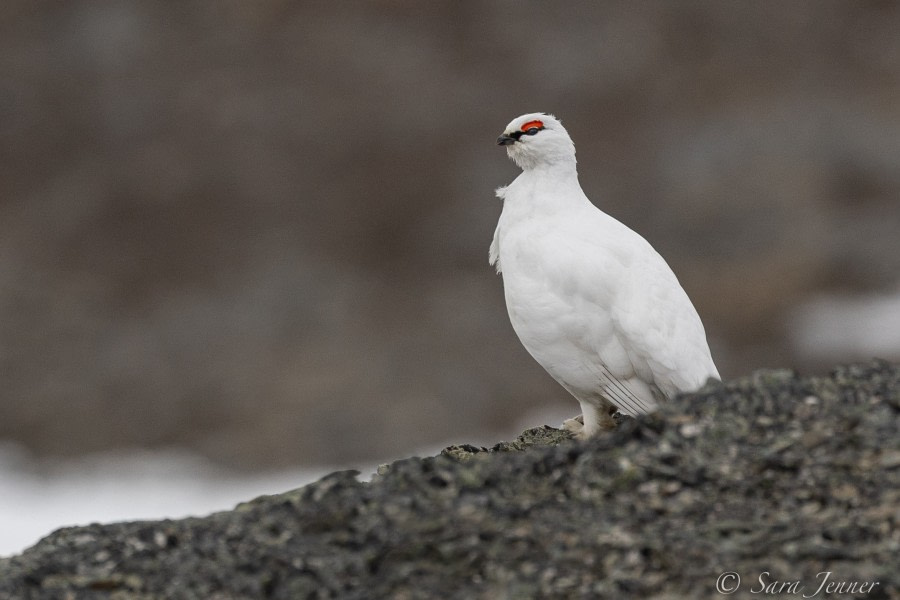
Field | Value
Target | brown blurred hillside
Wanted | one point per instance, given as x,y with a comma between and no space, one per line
251,228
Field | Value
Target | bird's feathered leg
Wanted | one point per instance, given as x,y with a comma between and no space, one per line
575,426
593,419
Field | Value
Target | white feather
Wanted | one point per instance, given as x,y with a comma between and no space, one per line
589,298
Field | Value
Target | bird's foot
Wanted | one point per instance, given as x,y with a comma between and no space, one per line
575,426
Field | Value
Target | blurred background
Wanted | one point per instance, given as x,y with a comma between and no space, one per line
257,232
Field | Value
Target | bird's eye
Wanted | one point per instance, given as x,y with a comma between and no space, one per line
535,125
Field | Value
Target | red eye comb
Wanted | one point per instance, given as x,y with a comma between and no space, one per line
530,124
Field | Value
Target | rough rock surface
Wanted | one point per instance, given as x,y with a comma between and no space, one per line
773,473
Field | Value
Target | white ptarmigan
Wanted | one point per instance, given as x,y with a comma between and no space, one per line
589,298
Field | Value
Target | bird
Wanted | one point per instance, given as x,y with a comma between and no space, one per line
589,298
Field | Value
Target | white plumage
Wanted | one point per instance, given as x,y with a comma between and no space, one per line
589,298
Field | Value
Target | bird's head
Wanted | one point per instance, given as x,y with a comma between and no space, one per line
537,139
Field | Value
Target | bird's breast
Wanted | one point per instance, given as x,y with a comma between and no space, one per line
557,295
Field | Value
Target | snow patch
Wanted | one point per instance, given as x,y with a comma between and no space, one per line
847,327
37,498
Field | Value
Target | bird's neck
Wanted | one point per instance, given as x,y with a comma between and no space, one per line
551,179
545,190
563,170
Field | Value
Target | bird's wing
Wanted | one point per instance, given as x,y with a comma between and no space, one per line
654,344
660,328
632,396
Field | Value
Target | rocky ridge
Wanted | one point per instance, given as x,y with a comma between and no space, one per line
774,477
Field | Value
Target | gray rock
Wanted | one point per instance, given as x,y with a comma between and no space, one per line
774,476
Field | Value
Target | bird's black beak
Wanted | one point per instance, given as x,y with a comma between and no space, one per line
505,140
